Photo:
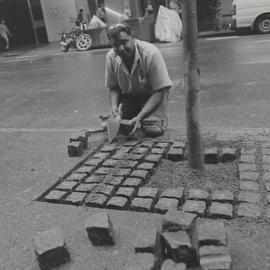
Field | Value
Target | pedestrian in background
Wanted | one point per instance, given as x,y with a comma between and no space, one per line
138,80
80,17
5,33
101,12
175,5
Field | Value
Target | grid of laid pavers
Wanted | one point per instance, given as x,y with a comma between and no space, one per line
116,177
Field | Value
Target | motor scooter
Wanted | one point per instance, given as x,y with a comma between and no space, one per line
77,38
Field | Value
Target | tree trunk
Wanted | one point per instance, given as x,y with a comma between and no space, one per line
192,84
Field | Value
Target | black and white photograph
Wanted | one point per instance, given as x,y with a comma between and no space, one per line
135,134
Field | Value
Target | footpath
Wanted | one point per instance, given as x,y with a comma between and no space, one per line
54,48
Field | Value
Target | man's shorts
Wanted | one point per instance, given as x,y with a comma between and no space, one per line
155,124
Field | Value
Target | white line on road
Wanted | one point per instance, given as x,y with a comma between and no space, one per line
264,61
222,38
262,41
26,56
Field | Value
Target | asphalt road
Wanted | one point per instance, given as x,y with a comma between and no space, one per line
43,98
66,90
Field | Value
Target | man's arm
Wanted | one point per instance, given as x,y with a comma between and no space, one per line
150,106
114,97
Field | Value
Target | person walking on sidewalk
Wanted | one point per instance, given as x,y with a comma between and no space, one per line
138,80
5,33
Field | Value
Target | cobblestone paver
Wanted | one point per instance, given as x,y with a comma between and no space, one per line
116,176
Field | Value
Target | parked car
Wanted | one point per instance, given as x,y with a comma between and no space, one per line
254,14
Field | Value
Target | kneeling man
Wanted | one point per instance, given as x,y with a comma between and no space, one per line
138,79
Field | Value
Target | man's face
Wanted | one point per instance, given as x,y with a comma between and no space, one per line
123,45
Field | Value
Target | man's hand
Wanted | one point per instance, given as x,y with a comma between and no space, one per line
117,111
136,122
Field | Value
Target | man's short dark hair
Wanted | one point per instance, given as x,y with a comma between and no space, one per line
116,29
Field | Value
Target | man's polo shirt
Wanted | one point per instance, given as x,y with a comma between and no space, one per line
149,72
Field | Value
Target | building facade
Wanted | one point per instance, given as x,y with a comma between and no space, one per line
41,21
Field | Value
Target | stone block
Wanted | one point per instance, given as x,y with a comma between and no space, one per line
178,247
140,261
198,194
179,144
100,230
248,151
113,180
133,182
96,200
266,177
162,145
122,172
209,232
249,210
85,187
75,198
267,213
111,163
142,204
108,148
266,168
76,177
101,155
147,241
118,202
247,159
128,164
165,204
221,210
249,197
216,262
223,196
66,185
149,166
196,207
266,150
147,144
171,265
268,198
177,193
228,154
94,179
211,155
243,167
267,186
176,154
131,143
248,185
55,195
153,158
176,220
266,159
143,174
86,169
158,151
128,192
104,189
103,171
252,176
75,148
93,162
50,248
140,150
148,192
127,156
205,251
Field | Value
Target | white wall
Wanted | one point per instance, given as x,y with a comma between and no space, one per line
57,15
